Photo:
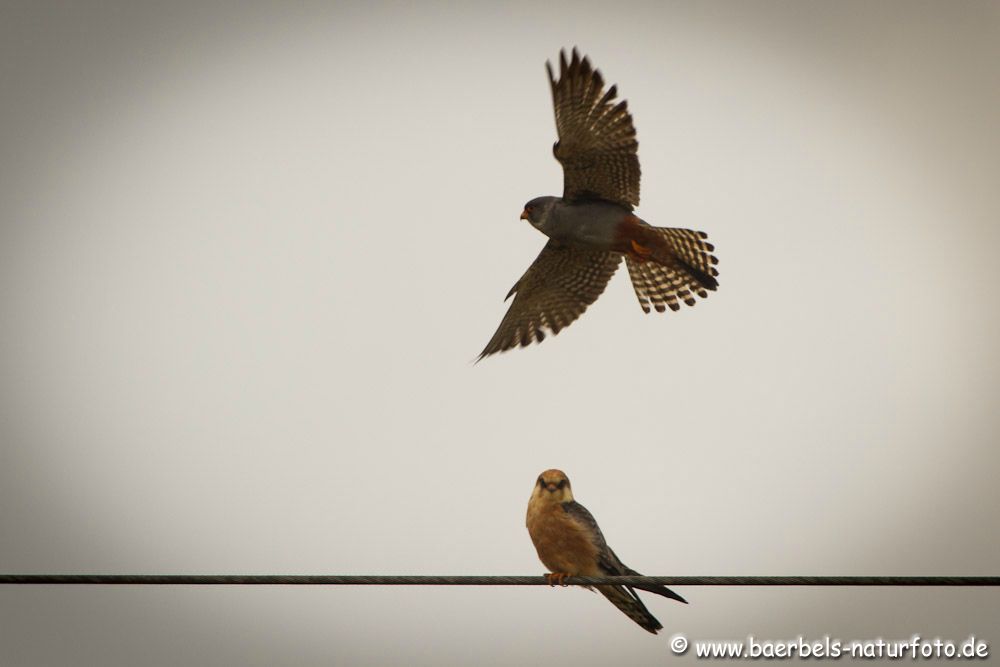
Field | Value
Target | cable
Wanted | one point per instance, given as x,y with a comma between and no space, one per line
424,580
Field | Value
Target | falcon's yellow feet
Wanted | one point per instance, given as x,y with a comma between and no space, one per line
557,578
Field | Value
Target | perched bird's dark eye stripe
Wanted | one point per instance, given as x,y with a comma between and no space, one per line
561,483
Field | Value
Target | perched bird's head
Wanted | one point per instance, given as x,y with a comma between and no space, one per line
537,210
553,486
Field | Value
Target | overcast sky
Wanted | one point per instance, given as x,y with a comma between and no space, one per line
248,255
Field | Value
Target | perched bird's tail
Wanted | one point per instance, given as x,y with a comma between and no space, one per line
625,599
670,265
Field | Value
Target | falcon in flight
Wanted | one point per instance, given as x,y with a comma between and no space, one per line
592,226
570,543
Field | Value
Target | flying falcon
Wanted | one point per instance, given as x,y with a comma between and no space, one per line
570,543
592,226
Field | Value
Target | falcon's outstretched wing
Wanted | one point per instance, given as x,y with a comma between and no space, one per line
554,291
597,145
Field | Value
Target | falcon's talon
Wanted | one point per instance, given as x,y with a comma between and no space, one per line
558,578
593,225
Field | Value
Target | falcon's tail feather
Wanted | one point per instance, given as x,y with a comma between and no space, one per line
678,266
625,599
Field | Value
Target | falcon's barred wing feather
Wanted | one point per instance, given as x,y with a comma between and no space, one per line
554,291
597,145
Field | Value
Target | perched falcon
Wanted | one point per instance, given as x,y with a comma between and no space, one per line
592,226
570,543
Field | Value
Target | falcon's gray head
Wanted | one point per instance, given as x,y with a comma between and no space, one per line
537,210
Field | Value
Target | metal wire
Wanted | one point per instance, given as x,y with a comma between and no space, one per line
423,580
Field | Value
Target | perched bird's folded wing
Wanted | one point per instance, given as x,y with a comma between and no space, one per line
623,597
658,589
597,145
608,560
582,516
554,291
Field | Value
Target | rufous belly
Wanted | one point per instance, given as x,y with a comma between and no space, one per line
562,544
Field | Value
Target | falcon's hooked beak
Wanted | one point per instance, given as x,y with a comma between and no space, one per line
524,214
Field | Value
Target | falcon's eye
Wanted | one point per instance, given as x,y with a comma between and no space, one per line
529,208
561,483
541,482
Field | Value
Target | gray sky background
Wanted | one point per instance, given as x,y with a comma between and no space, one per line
248,253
